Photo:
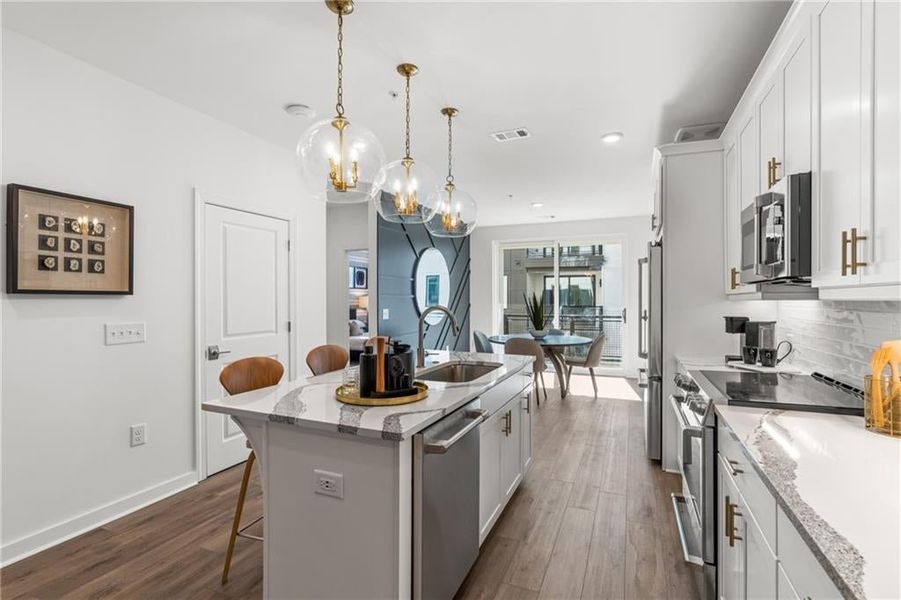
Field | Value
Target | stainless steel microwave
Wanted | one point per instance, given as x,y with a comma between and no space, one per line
776,233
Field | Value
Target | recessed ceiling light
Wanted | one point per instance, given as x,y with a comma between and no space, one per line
612,137
537,204
299,110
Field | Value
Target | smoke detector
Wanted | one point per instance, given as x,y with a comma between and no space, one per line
694,133
520,133
299,110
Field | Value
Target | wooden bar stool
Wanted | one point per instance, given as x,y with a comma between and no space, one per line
243,376
329,357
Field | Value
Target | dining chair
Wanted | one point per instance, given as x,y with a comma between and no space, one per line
329,357
524,347
481,342
589,361
238,377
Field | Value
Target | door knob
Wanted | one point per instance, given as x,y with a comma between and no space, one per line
213,352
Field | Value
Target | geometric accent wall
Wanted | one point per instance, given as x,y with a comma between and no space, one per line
399,246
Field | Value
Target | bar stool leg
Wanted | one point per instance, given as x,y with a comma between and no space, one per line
238,510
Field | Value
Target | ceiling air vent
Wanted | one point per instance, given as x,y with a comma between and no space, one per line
693,133
520,133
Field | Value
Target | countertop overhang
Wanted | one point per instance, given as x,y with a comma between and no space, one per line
310,403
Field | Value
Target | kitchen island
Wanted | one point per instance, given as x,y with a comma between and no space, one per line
358,545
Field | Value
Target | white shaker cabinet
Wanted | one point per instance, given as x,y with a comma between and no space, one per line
880,217
511,464
838,137
796,72
769,131
526,432
489,472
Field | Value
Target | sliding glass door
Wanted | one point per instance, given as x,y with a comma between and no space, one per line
581,282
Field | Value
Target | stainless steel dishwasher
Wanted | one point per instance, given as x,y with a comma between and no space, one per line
446,503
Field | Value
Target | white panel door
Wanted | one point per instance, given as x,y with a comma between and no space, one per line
245,310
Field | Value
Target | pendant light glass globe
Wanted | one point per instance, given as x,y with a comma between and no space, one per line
339,161
455,215
406,184
407,191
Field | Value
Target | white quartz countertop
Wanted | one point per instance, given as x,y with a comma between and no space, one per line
310,403
838,483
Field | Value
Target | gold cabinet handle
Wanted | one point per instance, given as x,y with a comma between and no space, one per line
735,513
732,466
733,278
729,524
845,242
772,166
854,239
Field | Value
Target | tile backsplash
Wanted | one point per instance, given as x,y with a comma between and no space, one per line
837,338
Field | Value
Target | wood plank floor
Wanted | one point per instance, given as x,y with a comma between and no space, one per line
591,520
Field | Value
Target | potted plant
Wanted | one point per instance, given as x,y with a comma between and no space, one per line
535,312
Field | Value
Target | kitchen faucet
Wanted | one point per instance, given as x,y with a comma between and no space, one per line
420,352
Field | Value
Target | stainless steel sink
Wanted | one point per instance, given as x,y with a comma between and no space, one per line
458,372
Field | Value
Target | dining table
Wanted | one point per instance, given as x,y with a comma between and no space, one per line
554,346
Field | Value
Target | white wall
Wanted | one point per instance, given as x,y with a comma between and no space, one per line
635,230
347,228
68,400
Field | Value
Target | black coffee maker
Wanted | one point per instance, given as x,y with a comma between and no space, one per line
736,325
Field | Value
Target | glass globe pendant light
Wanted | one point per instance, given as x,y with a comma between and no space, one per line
406,184
455,210
339,160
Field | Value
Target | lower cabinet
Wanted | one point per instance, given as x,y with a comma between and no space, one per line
748,565
505,454
751,563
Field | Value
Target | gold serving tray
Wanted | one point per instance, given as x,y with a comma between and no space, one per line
347,395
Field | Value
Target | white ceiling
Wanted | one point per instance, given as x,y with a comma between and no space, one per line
567,71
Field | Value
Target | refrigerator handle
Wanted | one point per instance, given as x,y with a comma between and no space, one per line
642,311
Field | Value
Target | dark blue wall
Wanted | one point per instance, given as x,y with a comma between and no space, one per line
399,246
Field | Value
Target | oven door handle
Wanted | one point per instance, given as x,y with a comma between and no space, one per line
688,431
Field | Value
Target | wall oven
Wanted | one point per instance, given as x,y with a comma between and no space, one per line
776,233
695,507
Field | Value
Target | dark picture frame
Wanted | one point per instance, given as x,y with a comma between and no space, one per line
360,278
20,245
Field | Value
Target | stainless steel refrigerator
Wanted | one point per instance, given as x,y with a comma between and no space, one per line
650,345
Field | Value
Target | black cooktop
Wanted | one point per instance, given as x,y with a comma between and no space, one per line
784,391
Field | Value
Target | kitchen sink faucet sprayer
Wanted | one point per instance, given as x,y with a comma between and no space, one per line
420,351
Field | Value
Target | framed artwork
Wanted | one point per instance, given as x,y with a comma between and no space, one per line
60,243
360,278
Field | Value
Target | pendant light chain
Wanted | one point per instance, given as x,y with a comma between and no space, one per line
408,119
450,149
339,107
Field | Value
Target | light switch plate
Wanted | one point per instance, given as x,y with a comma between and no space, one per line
385,314
125,333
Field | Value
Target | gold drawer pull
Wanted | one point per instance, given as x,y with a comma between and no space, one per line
733,278
845,242
733,466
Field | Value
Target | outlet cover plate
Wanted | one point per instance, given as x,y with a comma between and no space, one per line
328,483
138,434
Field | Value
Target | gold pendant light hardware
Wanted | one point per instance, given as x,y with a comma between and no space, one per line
406,202
449,111
340,7
407,69
854,239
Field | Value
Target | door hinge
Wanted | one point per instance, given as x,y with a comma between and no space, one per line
289,326
289,245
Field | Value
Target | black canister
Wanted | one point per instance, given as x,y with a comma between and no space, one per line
367,372
399,366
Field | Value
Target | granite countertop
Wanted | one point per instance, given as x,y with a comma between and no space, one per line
310,403
838,483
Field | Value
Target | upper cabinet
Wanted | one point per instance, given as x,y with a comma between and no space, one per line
826,99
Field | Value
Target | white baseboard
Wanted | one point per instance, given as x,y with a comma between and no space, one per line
55,534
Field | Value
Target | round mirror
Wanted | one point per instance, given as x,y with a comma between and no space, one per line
432,283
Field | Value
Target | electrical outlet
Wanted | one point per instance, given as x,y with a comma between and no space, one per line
138,435
328,483
385,314
124,333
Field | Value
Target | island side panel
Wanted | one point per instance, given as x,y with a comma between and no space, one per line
323,547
